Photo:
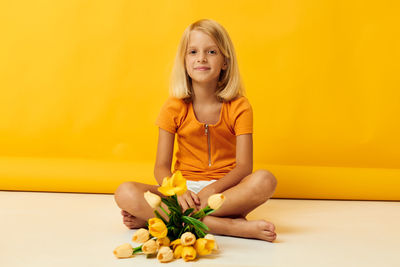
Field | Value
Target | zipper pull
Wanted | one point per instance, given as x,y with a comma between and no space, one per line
208,143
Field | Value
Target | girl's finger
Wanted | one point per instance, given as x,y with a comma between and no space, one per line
195,198
185,206
190,202
183,203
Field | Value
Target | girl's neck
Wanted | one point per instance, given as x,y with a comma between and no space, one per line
204,93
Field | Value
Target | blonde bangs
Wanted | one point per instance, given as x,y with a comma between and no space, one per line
229,85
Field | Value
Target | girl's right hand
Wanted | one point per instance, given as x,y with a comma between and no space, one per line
188,200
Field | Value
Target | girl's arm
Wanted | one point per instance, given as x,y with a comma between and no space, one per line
165,150
244,167
162,168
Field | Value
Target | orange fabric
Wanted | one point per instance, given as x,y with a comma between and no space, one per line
196,149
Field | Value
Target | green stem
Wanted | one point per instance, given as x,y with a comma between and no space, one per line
164,211
137,249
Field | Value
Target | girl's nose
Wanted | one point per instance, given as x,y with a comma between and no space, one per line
202,57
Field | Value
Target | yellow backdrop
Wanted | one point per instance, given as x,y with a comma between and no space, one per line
81,84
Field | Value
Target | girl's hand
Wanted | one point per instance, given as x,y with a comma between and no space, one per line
188,200
204,194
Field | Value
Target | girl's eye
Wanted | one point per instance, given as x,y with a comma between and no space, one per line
213,52
192,52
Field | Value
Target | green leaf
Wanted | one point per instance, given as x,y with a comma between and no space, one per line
209,212
203,212
172,220
173,232
166,202
178,221
200,233
175,198
172,206
188,211
198,215
195,222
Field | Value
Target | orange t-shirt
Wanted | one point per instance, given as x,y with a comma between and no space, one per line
206,151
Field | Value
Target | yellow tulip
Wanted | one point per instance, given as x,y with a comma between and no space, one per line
188,239
178,251
175,243
150,247
140,236
123,251
157,228
188,253
175,184
163,242
204,246
211,237
165,254
215,201
152,199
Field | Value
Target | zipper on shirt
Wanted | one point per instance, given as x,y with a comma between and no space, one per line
207,132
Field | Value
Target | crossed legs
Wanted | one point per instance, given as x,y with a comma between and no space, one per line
252,191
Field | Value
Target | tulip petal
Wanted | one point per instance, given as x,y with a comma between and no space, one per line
166,191
176,184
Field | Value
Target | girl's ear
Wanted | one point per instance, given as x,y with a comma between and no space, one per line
225,66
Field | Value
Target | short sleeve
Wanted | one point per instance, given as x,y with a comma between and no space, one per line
243,116
171,114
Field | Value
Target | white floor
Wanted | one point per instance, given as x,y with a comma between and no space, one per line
59,229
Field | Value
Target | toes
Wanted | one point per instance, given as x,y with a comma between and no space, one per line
126,214
269,236
268,226
269,233
271,227
129,219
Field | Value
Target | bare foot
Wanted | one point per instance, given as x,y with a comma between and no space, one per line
259,229
131,221
241,227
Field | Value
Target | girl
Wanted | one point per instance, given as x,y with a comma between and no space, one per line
214,123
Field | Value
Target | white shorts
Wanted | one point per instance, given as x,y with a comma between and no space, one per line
196,186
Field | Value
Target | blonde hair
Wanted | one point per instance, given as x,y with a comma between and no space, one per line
229,85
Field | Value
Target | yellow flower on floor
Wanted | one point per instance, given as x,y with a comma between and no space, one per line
188,253
188,239
150,247
163,242
211,237
178,251
165,254
175,184
123,251
204,246
157,228
140,236
175,243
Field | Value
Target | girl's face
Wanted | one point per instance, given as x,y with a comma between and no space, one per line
203,59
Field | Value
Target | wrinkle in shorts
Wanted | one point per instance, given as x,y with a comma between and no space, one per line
197,186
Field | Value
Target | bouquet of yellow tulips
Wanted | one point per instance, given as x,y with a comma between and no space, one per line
188,234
